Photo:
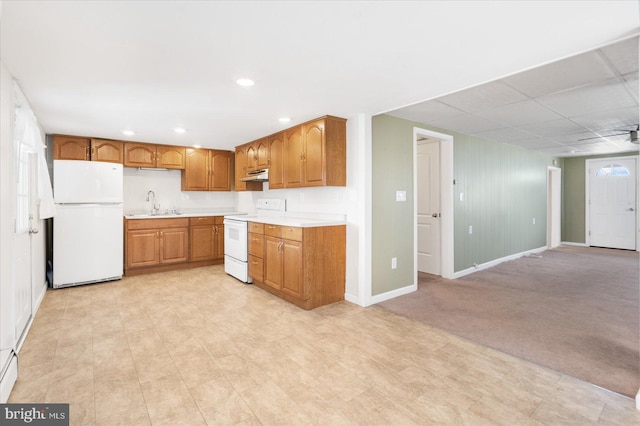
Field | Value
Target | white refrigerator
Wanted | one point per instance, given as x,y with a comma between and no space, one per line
88,225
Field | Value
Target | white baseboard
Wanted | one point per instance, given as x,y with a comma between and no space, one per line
495,262
8,379
569,243
638,400
353,299
393,293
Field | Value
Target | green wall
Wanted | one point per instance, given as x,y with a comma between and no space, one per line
573,196
504,188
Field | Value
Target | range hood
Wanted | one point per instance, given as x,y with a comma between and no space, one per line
261,175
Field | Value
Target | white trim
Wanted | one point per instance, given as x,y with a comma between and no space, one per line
393,293
353,299
365,143
570,243
638,400
587,193
8,379
495,262
446,201
551,170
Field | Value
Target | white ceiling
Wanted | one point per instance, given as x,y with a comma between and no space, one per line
582,105
96,68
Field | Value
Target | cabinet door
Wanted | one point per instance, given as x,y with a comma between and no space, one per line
256,268
262,153
292,264
220,163
143,248
252,157
170,157
219,241
106,150
241,168
202,243
195,176
273,262
276,161
70,148
313,160
139,154
174,245
293,150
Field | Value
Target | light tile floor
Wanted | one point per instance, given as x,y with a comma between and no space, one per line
198,347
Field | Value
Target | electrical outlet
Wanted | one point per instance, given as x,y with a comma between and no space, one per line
470,229
394,263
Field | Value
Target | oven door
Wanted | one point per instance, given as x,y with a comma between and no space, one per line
235,239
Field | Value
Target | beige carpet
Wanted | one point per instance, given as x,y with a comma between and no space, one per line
573,309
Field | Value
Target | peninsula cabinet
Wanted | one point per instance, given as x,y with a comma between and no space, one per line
156,243
207,170
315,153
138,154
305,266
206,238
87,149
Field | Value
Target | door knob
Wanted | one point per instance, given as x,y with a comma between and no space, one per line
631,209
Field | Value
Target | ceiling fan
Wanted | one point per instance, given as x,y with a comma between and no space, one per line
633,134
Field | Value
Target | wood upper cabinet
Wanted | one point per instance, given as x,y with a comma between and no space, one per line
207,170
138,154
107,150
276,161
71,148
206,238
220,174
240,167
316,153
262,153
252,157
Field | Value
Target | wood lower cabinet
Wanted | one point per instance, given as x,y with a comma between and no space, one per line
305,266
155,245
206,238
256,248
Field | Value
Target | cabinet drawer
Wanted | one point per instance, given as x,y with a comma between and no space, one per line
256,244
157,223
292,233
256,268
202,220
256,228
272,230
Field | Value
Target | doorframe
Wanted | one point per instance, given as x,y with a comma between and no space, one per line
587,192
446,201
551,207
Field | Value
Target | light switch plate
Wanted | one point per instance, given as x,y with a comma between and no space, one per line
401,195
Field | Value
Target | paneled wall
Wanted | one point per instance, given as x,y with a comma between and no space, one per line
503,187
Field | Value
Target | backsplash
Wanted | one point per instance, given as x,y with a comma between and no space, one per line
166,186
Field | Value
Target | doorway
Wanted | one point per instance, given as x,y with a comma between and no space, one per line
611,202
433,209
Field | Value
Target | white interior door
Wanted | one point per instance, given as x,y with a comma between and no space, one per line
428,176
612,202
554,201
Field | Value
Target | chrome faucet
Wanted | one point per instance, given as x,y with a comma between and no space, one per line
154,209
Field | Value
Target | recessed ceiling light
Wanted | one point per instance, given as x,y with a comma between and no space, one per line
128,132
245,82
284,119
197,146
180,130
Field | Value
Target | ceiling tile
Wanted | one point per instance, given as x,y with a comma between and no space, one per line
431,110
609,120
467,124
553,127
505,134
488,95
519,113
589,99
537,143
573,138
562,75
623,55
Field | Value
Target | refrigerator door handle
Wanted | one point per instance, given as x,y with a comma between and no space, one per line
33,231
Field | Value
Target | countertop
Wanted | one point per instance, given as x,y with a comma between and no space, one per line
186,213
301,222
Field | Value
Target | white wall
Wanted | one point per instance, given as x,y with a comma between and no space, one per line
166,186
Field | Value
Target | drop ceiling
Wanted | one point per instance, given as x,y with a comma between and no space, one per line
98,68
583,105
